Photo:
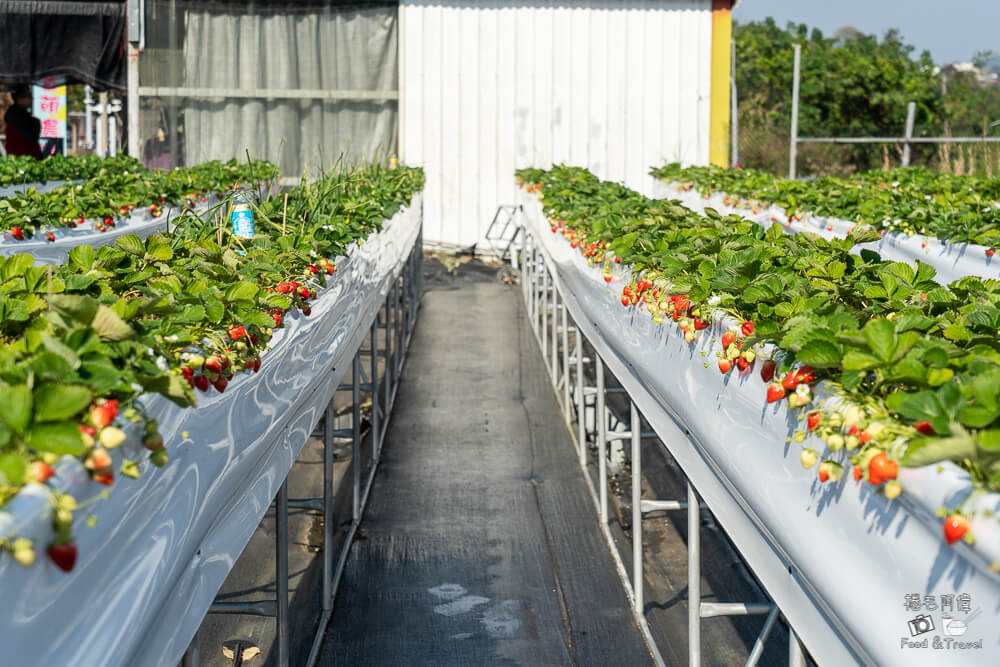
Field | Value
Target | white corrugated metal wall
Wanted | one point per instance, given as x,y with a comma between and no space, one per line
488,87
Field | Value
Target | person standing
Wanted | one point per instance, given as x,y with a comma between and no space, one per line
23,129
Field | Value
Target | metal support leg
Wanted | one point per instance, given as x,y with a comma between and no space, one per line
796,654
581,421
554,364
390,352
373,351
565,360
636,509
545,313
356,435
328,498
694,578
386,377
602,441
281,557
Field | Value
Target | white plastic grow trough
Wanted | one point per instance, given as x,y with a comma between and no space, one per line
838,559
163,544
951,260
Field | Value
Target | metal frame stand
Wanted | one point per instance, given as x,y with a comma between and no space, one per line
398,314
544,311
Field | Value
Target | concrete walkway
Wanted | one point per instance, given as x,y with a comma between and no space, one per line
480,544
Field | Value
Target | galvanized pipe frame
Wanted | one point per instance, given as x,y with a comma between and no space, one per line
399,312
538,281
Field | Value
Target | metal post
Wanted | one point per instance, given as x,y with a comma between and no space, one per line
565,359
390,347
281,557
545,311
581,422
911,111
386,376
554,364
328,498
793,143
133,95
734,117
356,434
602,440
102,125
796,655
636,508
373,351
694,578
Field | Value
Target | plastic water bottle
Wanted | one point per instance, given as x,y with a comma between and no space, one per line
241,217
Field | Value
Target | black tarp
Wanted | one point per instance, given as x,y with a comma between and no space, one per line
83,41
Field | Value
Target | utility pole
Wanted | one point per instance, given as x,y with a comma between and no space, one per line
911,110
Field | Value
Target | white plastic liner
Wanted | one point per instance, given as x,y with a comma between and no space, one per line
47,186
164,543
141,223
951,260
837,558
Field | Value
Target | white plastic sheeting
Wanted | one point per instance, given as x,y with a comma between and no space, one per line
488,87
47,186
140,222
837,558
951,260
164,543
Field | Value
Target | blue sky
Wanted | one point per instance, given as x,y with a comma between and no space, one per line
952,30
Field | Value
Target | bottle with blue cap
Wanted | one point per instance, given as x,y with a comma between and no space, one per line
241,217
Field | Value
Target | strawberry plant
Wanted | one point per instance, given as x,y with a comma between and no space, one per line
176,314
21,169
113,194
914,364
913,200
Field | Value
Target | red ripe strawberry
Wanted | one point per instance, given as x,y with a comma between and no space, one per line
747,328
812,420
625,300
824,471
41,471
102,415
187,372
858,473
214,364
699,325
955,528
880,468
864,437
284,288
63,555
725,365
806,375
924,427
853,430
87,430
201,382
277,318
989,252
791,381
775,392
237,333
727,339
108,221
304,292
221,384
105,477
607,277
767,370
80,221
50,237
742,364
17,233
618,260
312,268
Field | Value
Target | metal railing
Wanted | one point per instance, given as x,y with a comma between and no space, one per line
551,323
396,317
